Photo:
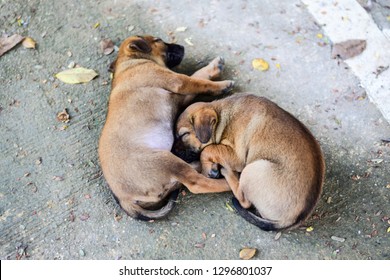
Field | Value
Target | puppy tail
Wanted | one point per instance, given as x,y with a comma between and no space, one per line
263,224
148,215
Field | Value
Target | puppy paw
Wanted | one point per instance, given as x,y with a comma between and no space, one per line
219,64
211,170
228,86
214,173
215,67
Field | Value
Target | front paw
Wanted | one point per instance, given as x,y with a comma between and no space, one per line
213,172
226,86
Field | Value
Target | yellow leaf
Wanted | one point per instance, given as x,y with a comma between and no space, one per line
320,36
278,65
260,64
309,229
96,25
228,207
76,75
247,253
388,230
29,43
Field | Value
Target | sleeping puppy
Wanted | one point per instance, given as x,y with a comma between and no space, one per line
271,161
135,143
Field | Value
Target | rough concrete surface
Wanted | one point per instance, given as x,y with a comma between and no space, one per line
54,202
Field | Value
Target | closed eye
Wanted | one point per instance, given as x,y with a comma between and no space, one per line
184,134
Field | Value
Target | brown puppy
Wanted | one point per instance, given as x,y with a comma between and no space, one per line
281,164
135,144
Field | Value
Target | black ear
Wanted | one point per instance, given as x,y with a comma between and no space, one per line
140,45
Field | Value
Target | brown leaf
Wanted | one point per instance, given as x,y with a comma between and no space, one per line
106,46
199,245
29,43
348,49
72,217
247,253
277,236
58,178
117,217
7,43
63,116
84,217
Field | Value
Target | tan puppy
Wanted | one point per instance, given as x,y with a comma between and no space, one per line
281,164
136,140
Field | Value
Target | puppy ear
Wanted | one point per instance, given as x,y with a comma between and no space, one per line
204,124
140,45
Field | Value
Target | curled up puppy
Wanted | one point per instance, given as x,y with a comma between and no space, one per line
137,137
272,163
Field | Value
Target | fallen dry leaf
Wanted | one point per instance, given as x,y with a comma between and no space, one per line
228,207
348,49
29,43
277,236
57,178
199,245
247,253
188,41
338,239
76,75
309,229
84,216
7,43
260,64
107,46
63,116
181,29
117,217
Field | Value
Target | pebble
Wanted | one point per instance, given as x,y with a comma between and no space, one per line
338,239
82,253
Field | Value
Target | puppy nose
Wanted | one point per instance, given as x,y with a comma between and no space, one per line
214,173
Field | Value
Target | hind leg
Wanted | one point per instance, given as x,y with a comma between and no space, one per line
232,178
212,70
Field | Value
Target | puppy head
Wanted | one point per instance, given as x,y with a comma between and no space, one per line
152,48
196,126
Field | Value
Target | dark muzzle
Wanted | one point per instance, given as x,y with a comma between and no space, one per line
175,54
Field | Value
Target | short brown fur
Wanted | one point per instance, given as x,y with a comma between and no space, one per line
135,143
270,160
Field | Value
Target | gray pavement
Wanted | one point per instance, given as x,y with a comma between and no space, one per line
54,202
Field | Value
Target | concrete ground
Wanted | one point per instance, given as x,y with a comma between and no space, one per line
54,202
